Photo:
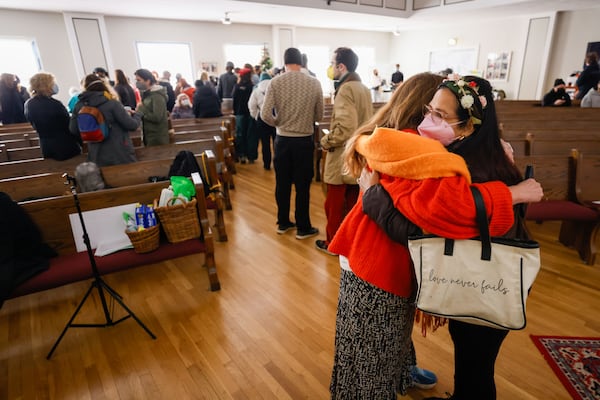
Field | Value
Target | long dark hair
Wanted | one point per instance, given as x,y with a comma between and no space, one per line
120,78
482,150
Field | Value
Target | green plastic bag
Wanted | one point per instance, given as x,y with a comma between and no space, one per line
183,186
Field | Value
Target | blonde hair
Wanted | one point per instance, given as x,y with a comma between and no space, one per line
403,111
41,84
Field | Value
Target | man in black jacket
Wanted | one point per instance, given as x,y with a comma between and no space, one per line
558,96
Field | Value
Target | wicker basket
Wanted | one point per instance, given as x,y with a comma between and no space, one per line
146,240
180,222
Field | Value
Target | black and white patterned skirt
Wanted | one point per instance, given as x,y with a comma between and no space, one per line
373,347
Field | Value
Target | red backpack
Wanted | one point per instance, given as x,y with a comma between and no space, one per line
92,126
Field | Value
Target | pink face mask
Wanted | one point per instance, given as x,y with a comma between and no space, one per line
441,132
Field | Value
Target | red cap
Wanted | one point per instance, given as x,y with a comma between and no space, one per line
245,71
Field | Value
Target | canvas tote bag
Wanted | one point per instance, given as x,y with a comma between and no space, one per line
483,281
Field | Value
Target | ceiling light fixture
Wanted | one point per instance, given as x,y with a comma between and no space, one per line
396,32
226,20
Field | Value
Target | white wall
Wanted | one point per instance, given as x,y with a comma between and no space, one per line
412,49
340,38
573,32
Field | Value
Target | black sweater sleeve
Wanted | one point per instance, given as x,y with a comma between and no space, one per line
378,205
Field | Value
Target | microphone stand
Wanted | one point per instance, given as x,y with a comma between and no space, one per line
98,283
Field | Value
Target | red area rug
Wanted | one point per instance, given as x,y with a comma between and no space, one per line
576,362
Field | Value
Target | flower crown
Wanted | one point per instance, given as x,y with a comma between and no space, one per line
465,92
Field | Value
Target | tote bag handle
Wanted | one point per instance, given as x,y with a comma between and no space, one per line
482,224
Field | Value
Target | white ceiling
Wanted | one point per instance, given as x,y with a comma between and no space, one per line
320,15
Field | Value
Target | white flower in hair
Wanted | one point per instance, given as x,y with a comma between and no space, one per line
460,83
467,101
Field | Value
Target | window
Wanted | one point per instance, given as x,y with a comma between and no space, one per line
366,63
319,58
240,54
24,60
173,57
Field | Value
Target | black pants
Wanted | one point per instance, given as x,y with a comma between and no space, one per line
293,163
266,133
475,350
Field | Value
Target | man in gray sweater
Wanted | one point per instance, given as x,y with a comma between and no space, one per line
293,103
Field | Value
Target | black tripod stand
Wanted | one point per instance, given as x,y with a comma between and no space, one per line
98,283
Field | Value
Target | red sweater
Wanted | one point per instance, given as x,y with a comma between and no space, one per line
434,199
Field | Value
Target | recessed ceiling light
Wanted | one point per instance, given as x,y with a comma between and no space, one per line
226,20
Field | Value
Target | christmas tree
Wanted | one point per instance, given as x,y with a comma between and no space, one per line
265,62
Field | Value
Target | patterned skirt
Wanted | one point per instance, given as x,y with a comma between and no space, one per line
373,347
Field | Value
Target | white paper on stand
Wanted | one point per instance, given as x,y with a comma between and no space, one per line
105,227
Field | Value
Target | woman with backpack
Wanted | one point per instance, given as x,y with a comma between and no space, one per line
116,147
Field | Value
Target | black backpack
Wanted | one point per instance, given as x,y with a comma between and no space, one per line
185,164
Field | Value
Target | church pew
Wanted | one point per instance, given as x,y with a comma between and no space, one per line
52,184
51,215
557,176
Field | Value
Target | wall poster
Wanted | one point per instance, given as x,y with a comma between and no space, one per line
497,66
210,67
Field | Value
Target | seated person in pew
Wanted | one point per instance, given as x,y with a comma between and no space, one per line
183,107
557,96
117,148
206,101
50,119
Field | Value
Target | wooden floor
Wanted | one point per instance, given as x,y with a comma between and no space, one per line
268,334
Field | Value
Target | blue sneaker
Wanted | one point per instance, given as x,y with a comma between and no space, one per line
422,378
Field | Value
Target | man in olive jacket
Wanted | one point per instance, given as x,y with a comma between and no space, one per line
352,107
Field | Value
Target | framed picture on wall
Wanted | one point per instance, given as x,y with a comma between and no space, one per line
497,66
210,67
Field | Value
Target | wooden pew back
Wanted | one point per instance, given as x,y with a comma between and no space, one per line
587,178
13,169
555,174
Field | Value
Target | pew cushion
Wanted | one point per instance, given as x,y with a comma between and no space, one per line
560,210
76,267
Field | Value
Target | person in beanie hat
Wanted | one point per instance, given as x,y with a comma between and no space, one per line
557,96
